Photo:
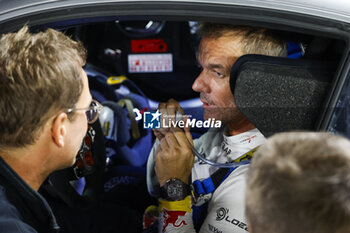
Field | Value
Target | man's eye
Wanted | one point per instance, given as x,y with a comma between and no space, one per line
219,74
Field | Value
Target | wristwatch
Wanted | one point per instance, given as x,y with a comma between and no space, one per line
175,190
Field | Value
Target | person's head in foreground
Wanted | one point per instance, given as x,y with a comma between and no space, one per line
300,182
44,96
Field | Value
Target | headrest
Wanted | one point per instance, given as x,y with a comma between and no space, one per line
280,94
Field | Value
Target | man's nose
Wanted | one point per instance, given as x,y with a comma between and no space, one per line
201,83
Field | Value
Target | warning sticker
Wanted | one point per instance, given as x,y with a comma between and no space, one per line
150,63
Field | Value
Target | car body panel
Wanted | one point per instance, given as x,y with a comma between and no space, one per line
325,8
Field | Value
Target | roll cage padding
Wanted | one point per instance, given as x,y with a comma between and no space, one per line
280,94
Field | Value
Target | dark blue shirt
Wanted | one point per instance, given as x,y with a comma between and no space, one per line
22,209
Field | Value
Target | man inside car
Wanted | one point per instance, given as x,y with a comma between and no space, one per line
222,210
45,108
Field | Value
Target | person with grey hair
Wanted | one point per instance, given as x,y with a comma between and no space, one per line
45,108
300,182
220,209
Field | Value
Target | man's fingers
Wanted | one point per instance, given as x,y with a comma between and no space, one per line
187,130
162,107
171,139
189,137
181,137
171,107
187,126
164,144
158,149
176,106
168,113
158,134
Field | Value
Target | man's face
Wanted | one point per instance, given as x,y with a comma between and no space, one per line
77,127
216,57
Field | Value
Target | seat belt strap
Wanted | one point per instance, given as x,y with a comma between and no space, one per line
203,189
210,184
135,132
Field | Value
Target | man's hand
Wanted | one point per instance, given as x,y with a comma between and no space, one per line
168,111
174,158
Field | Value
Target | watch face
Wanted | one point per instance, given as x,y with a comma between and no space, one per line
175,190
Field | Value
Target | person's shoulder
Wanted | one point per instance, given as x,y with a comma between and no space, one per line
233,185
10,220
14,225
6,208
238,174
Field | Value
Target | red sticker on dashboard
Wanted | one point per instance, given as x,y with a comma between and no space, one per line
149,46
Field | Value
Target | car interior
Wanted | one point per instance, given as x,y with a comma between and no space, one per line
132,65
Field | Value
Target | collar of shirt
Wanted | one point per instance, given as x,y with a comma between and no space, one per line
230,148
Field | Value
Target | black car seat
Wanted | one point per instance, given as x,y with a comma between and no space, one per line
281,94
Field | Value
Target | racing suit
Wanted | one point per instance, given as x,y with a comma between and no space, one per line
226,207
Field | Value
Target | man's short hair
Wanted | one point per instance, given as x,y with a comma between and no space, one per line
40,75
254,40
300,182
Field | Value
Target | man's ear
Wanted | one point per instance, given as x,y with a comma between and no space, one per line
58,129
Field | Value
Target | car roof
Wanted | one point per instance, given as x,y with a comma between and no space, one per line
330,9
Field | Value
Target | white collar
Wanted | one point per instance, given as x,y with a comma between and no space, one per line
232,147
